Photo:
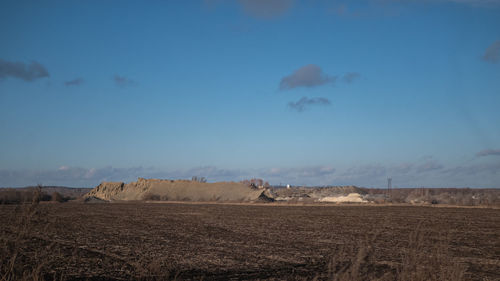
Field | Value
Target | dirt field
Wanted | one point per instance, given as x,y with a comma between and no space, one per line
74,241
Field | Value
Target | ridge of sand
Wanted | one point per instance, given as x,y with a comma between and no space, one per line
176,190
350,198
316,193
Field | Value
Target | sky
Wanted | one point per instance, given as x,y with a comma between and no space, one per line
318,92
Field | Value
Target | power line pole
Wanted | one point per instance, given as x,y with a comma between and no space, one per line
389,187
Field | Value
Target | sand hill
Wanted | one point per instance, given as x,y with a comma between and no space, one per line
351,198
317,193
177,190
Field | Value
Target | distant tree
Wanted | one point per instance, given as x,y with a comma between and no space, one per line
37,194
198,179
255,182
57,197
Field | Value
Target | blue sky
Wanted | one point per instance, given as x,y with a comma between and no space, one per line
299,92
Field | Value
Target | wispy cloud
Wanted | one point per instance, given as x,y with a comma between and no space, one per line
473,2
74,82
68,176
488,152
307,175
420,173
308,172
365,171
265,9
27,72
349,77
478,3
403,168
123,81
394,8
428,166
338,9
211,173
305,102
492,53
88,177
307,76
481,169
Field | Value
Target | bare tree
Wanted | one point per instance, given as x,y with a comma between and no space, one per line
198,179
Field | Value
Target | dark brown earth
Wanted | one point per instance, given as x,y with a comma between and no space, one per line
75,241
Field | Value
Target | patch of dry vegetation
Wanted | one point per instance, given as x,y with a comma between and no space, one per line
15,264
27,195
417,262
446,196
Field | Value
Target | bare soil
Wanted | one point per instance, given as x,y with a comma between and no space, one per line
75,241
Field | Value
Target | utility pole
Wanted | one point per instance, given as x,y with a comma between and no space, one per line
389,187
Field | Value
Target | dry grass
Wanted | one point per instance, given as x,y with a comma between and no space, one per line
25,196
13,266
418,262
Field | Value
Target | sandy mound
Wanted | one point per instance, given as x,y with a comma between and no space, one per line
176,190
106,190
315,193
351,198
